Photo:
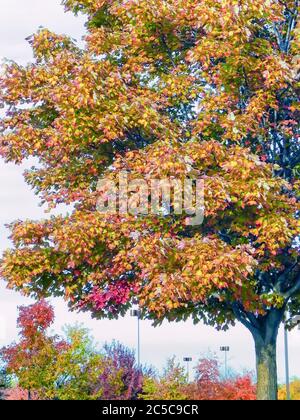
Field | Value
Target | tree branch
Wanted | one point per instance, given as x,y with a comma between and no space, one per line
241,316
293,290
283,277
291,26
168,50
284,42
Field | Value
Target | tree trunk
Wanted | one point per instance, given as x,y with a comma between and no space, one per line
264,330
266,366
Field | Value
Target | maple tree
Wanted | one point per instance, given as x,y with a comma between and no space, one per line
29,358
165,89
50,367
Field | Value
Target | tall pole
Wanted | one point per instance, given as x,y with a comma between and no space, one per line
188,360
287,367
137,313
139,340
225,349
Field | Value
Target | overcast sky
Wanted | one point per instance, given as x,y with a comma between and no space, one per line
18,20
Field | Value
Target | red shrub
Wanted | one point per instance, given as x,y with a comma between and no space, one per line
209,385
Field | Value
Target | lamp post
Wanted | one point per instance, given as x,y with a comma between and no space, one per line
137,313
188,360
225,349
286,357
287,367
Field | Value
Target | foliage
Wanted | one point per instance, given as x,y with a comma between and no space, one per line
121,363
130,100
70,368
5,383
77,369
51,367
294,389
30,358
18,394
169,387
240,388
208,384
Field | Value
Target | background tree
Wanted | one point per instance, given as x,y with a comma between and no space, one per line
209,384
241,388
50,367
75,373
178,89
294,390
170,386
30,358
69,368
18,394
5,383
120,362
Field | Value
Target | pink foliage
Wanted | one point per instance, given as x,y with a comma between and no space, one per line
116,294
17,393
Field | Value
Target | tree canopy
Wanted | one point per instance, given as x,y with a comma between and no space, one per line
163,89
187,82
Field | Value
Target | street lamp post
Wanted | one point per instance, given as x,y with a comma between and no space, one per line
287,367
188,360
137,313
286,357
225,349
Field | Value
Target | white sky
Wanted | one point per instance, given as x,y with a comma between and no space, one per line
18,20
